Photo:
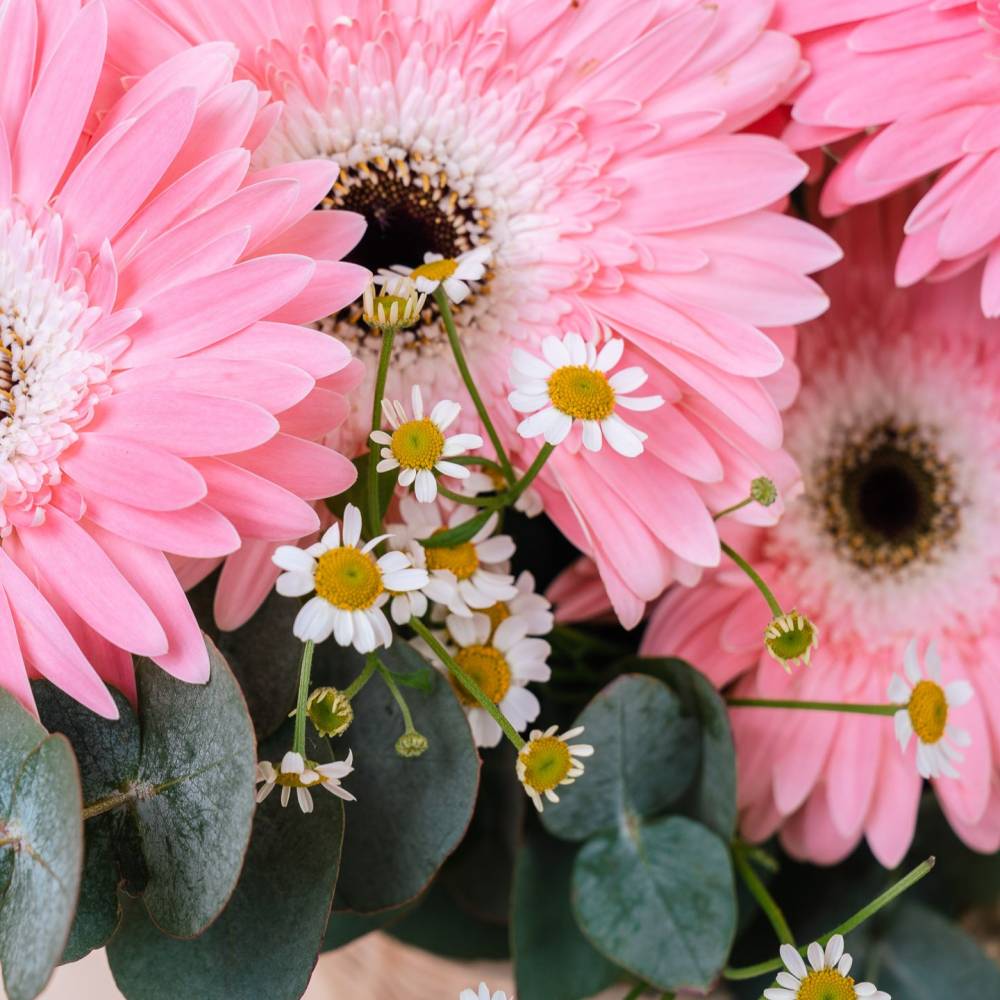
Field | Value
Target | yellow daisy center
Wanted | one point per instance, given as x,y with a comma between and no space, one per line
417,444
581,392
488,668
296,781
496,613
928,708
436,270
460,559
348,579
546,763
826,985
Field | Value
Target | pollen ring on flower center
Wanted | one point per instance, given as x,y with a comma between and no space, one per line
581,392
348,578
417,444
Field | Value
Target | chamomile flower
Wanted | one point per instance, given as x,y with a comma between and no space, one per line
418,446
302,775
571,383
472,570
350,585
825,978
451,273
501,662
926,705
396,304
483,993
534,609
548,760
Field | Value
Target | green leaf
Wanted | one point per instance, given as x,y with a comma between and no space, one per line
552,959
411,813
266,941
657,898
41,857
193,794
459,534
420,680
712,796
646,757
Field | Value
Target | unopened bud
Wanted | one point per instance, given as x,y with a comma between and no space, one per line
411,744
763,491
330,711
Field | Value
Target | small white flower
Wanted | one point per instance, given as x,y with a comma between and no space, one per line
501,662
827,978
397,304
302,775
451,273
570,383
926,707
468,576
534,609
528,503
419,446
351,586
548,760
483,993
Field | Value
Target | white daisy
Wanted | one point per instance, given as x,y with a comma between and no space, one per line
534,609
926,707
571,383
528,503
351,585
452,273
501,662
419,446
548,760
473,569
397,304
483,993
827,979
303,775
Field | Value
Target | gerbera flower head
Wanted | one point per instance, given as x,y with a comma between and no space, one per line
418,447
897,431
549,760
613,181
350,585
919,83
303,775
825,978
151,365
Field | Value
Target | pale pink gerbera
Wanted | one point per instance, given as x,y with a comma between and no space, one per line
897,430
593,149
148,369
922,79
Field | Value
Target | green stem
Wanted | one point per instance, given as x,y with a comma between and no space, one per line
363,678
374,507
467,682
813,706
390,683
732,510
109,802
456,348
758,582
486,463
528,478
907,882
491,502
759,892
305,670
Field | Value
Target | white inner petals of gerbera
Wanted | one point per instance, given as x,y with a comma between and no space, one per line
49,383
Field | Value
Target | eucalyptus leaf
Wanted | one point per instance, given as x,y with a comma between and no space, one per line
552,959
412,812
657,897
41,847
647,758
266,941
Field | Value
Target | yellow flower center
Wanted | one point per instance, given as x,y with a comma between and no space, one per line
295,780
581,392
417,444
460,559
436,270
546,763
928,708
348,579
496,613
826,985
488,668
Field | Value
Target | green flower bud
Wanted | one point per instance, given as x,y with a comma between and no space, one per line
330,711
411,744
763,491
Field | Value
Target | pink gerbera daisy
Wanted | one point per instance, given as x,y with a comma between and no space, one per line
595,153
149,371
897,430
921,79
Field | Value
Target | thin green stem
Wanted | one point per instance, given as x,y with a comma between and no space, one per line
305,671
374,506
907,882
486,463
813,706
467,682
735,507
759,892
490,502
390,683
106,804
362,679
755,577
456,348
528,478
